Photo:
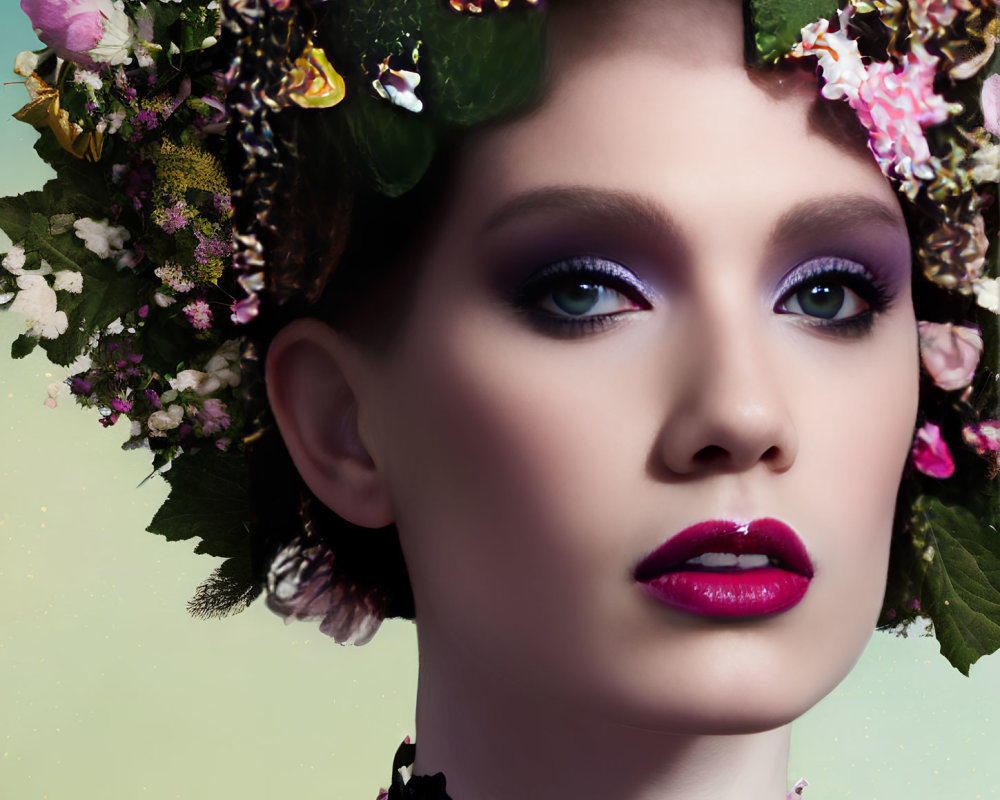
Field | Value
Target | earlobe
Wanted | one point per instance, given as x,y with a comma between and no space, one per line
311,392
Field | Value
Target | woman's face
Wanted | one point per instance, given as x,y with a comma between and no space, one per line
665,297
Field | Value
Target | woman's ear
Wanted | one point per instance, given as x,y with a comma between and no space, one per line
311,392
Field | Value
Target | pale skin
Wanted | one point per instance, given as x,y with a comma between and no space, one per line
529,464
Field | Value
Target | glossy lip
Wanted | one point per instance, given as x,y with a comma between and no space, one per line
728,592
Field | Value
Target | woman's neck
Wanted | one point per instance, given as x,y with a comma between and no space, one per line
493,743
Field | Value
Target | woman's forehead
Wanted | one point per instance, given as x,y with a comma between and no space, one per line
693,33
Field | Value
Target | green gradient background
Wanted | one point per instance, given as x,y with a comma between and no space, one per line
109,691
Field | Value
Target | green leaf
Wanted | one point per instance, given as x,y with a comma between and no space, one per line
208,499
776,24
23,345
397,145
961,591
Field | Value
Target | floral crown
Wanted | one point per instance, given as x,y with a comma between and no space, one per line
137,270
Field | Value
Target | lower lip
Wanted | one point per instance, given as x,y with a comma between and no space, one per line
743,593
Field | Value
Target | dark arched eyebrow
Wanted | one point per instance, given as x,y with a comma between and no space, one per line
845,211
622,208
631,210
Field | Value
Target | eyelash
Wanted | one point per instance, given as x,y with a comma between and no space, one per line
841,272
608,274
575,271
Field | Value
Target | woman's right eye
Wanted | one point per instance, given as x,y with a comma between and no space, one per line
581,295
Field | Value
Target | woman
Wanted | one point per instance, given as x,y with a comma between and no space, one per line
570,275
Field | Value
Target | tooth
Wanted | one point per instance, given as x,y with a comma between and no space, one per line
725,560
715,560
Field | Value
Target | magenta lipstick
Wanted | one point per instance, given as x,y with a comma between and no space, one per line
720,568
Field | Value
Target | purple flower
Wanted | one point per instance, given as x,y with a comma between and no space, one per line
79,385
172,218
153,398
120,405
208,248
198,314
930,453
213,417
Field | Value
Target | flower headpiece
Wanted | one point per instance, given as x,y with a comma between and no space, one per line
137,268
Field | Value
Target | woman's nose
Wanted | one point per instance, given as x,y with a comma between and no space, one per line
730,408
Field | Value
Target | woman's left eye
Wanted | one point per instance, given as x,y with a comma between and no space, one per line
825,298
837,294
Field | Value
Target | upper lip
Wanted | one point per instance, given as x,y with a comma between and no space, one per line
766,536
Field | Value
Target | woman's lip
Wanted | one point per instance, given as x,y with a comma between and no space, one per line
728,591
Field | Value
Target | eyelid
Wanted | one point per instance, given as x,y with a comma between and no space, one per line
617,276
825,265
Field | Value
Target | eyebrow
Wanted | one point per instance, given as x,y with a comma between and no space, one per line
623,208
846,211
633,210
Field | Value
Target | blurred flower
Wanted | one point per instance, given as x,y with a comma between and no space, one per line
930,453
988,293
13,262
983,437
68,281
87,32
199,315
212,418
991,104
160,421
99,237
950,353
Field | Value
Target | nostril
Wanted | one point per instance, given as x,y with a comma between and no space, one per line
711,455
772,453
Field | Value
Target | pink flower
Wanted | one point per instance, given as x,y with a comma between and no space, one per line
983,437
198,314
930,453
950,353
895,105
991,104
213,417
87,32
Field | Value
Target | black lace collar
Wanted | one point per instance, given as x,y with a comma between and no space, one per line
405,785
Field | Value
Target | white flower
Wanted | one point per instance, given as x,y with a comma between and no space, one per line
988,293
13,262
160,421
88,77
69,281
99,237
143,57
115,326
187,379
118,38
115,120
163,300
37,302
838,56
25,63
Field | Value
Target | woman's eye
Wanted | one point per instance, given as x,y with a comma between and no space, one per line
825,298
585,298
581,295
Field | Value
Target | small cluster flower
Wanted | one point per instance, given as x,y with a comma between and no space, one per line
117,77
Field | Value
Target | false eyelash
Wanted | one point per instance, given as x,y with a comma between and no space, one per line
855,277
587,269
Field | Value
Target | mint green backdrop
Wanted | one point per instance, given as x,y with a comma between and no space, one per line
109,691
